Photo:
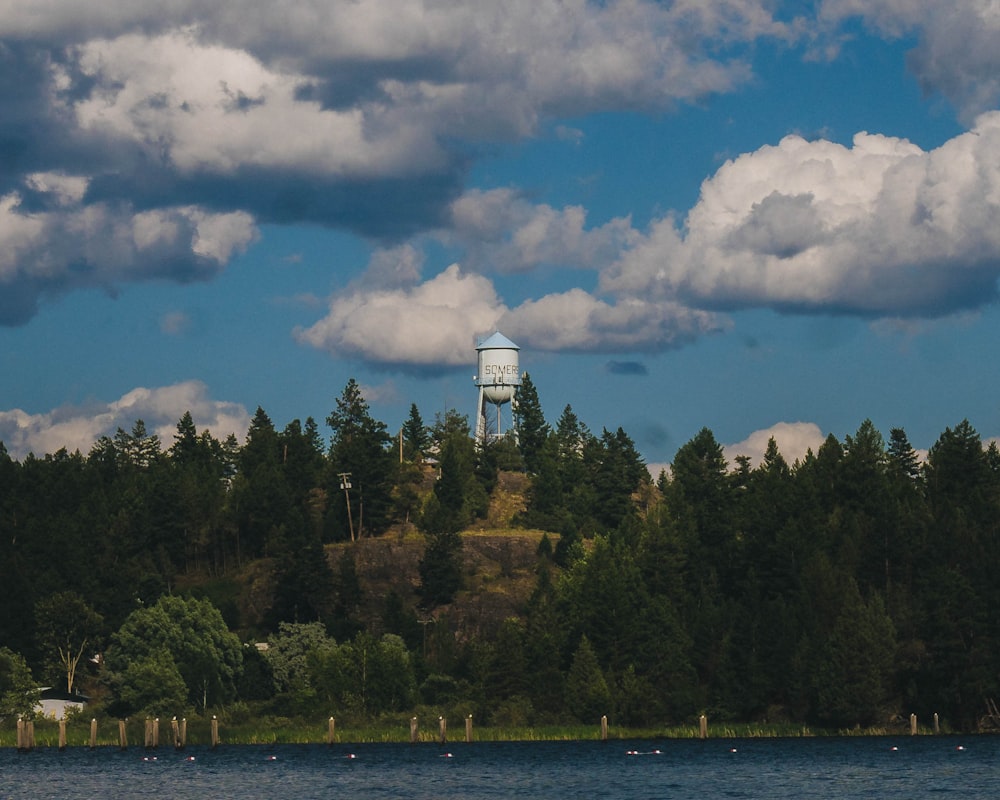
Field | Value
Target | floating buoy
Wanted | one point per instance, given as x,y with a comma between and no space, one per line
894,748
272,758
189,758
446,755
732,749
960,747
350,756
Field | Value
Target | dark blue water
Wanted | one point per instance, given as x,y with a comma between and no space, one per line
918,767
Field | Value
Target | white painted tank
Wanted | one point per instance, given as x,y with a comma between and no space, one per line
499,374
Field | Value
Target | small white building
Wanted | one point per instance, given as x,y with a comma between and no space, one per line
55,703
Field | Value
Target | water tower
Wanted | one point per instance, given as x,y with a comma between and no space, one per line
498,378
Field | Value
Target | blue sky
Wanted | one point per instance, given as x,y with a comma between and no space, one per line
770,219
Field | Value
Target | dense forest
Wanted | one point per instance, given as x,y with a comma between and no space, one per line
848,588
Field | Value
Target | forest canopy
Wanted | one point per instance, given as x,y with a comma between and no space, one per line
850,587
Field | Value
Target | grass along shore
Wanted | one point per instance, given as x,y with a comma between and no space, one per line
287,731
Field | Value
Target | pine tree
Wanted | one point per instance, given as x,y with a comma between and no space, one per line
416,436
532,430
361,448
587,694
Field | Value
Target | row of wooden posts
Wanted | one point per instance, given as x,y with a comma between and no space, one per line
178,730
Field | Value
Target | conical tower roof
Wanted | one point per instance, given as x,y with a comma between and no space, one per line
497,342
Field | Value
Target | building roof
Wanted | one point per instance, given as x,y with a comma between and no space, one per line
497,342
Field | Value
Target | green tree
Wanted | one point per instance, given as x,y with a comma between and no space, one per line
289,651
196,479
360,448
66,626
18,690
854,677
152,685
193,632
532,429
444,515
303,580
700,495
260,497
416,436
587,693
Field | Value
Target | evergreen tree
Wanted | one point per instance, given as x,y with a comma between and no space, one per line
361,448
532,429
854,678
902,457
260,496
587,694
416,436
700,494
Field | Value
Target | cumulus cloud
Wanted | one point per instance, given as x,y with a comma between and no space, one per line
956,55
53,242
881,228
501,230
794,440
79,427
575,321
431,325
182,124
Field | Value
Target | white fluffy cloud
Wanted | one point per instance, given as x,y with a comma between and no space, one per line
78,428
881,228
185,122
430,325
67,243
207,107
578,321
794,440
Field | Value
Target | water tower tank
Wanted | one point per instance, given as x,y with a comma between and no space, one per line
498,378
499,373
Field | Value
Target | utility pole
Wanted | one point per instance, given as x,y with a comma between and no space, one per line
345,484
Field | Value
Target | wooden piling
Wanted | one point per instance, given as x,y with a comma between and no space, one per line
62,734
604,728
331,727
443,729
413,730
913,724
468,728
937,723
25,735
93,732
122,735
215,731
177,734
703,726
184,731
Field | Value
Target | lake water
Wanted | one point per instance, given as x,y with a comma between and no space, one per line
905,767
